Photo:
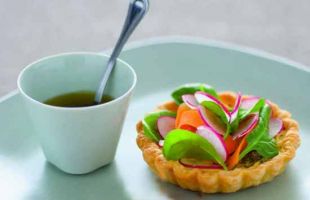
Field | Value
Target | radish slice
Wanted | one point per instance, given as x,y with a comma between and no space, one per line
202,96
161,143
275,126
199,165
246,126
215,139
250,101
234,113
190,100
165,124
212,121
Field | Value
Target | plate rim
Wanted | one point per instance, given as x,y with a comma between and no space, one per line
166,40
8,95
218,44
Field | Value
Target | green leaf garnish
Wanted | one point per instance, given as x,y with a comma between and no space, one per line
259,139
149,123
191,89
185,144
242,114
219,112
234,124
228,130
256,108
266,147
216,109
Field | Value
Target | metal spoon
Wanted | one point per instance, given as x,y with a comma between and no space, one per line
136,11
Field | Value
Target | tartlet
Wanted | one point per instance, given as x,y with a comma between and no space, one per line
221,180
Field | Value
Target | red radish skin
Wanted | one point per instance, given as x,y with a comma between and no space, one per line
234,113
215,139
275,126
190,101
200,166
246,126
211,123
165,124
202,96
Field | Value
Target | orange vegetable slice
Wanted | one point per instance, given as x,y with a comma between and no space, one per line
231,144
183,107
191,118
234,158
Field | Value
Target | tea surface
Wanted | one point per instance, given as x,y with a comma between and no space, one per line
76,99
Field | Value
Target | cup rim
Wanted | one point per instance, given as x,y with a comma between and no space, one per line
75,108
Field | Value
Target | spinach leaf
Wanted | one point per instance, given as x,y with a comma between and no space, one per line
216,109
191,89
255,108
232,126
266,147
228,131
259,139
150,126
242,114
185,144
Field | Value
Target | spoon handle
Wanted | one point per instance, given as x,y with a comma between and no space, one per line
136,11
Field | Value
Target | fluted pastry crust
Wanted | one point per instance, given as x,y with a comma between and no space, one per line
218,180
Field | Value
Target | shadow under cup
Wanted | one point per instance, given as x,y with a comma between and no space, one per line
76,140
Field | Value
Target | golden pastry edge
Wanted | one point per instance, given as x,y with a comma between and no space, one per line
219,180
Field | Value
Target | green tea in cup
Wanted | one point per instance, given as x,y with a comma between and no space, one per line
77,99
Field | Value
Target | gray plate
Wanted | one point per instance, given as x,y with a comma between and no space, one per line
161,66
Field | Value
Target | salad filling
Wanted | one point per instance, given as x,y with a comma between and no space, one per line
206,133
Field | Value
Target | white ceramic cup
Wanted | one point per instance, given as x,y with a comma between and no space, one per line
76,140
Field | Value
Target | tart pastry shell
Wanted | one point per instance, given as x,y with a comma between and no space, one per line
219,180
